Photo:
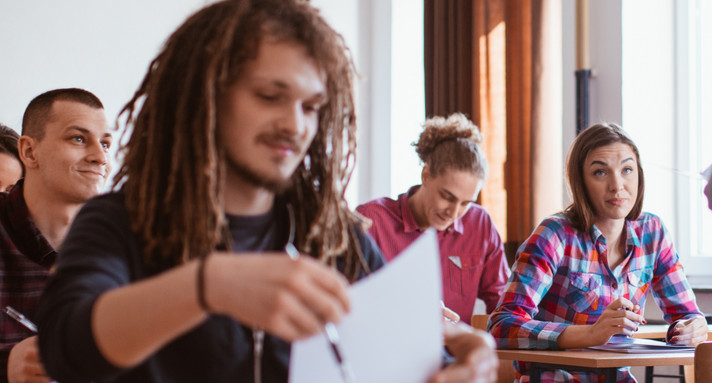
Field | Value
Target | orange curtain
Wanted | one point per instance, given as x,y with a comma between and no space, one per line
499,61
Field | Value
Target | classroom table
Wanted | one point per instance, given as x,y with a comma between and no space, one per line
651,331
659,331
587,360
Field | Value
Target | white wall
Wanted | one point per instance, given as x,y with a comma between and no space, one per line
366,26
407,93
106,47
605,41
568,68
374,160
649,99
605,95
345,17
605,53
103,46
621,43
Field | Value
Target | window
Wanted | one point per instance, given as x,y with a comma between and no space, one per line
694,147
667,108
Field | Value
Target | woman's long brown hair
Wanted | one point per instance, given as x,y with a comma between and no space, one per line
173,169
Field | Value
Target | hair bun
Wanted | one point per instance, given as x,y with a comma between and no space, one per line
438,129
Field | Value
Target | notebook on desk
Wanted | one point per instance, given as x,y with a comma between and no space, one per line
621,343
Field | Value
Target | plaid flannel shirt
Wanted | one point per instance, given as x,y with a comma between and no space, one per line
24,269
561,277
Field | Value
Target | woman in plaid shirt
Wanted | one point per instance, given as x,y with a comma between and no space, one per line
583,274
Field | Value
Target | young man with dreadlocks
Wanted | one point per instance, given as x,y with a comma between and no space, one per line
243,141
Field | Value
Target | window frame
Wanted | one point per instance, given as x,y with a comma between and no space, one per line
690,202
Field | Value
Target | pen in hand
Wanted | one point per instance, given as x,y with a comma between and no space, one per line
18,316
332,334
636,310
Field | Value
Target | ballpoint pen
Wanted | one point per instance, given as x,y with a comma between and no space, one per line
18,316
332,335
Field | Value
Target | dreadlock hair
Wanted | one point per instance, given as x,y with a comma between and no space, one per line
451,143
173,169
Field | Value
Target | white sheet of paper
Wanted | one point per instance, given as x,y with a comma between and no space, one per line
393,333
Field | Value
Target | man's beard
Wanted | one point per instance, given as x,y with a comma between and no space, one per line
250,175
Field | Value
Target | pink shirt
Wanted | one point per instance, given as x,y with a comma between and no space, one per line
471,251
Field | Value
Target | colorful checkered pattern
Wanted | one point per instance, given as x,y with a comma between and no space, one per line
24,269
561,277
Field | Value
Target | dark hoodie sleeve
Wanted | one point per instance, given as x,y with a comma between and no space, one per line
95,257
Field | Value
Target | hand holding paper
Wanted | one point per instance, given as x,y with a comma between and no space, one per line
379,348
383,350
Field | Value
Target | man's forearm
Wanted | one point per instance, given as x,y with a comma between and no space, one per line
126,340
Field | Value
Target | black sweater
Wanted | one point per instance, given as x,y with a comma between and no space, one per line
100,253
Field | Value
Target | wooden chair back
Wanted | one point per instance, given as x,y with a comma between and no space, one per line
703,362
479,321
506,373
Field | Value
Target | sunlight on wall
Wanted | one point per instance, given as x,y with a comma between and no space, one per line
665,96
407,94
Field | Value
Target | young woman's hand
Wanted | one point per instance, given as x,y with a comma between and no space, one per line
619,317
690,332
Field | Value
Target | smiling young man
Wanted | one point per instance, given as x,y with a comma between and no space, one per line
64,147
243,133
472,259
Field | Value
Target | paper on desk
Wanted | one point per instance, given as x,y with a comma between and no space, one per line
394,330
622,343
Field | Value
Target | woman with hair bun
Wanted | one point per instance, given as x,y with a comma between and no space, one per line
471,250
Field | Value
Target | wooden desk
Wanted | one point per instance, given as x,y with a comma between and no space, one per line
659,331
651,331
585,360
